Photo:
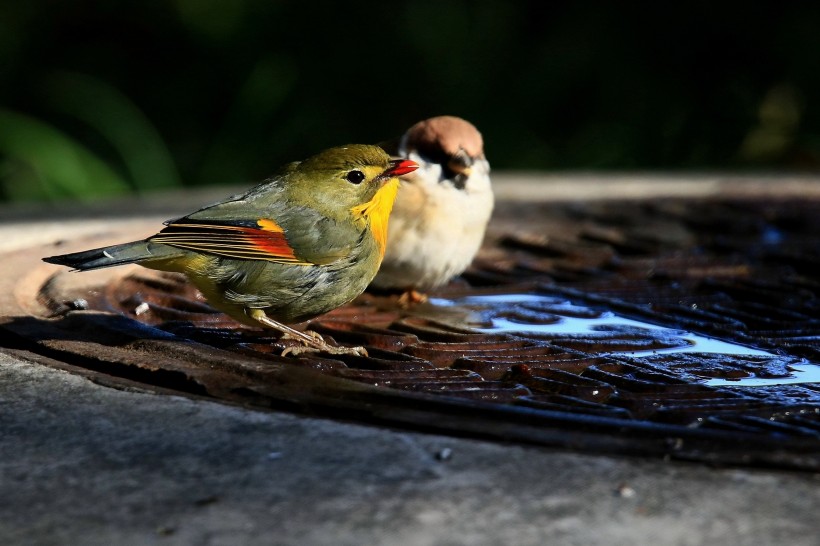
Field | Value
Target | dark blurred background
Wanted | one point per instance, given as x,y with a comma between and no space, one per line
106,97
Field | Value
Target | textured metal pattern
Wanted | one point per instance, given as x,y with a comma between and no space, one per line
741,271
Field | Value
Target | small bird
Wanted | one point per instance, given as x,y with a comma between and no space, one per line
307,240
442,209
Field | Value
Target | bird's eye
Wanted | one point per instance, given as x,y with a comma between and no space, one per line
355,177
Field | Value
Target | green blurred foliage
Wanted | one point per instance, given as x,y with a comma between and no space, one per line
100,97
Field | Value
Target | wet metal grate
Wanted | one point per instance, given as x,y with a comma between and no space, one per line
679,327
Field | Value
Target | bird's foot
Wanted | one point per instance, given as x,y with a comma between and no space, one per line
297,350
412,297
300,336
312,342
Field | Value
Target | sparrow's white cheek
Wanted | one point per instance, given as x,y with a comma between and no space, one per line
428,172
479,181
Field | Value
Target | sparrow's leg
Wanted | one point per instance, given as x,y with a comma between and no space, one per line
411,297
312,342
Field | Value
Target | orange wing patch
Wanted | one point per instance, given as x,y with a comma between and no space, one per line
267,242
269,225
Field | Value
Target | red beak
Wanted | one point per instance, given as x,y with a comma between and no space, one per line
399,167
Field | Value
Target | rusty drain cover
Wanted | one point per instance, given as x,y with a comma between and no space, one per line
680,328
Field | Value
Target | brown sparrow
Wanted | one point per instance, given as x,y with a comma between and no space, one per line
442,209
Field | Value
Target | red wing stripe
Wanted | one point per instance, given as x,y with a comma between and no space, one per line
232,241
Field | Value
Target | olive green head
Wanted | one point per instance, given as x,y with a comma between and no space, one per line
342,178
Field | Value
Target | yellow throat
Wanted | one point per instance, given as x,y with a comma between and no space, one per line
376,212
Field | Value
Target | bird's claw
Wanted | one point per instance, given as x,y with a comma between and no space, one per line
310,341
315,335
411,297
297,350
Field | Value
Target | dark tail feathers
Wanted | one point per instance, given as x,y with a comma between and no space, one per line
104,257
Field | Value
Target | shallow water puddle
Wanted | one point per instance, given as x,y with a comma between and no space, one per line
552,316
